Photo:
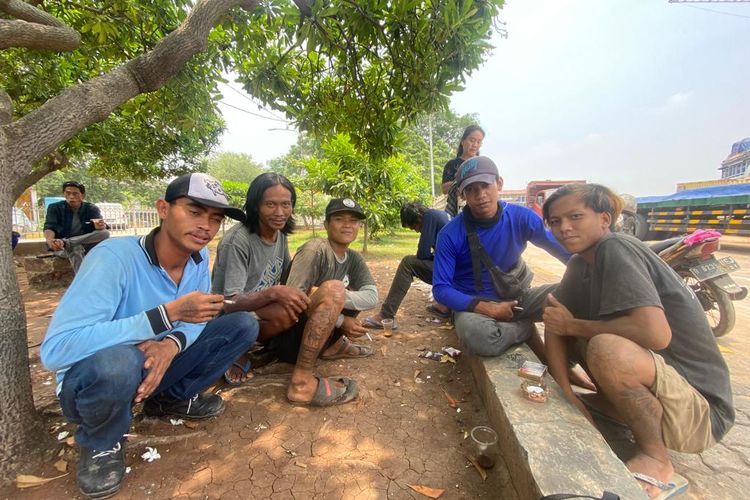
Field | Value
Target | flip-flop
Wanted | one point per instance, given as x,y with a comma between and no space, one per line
675,487
437,312
327,393
370,322
245,368
343,351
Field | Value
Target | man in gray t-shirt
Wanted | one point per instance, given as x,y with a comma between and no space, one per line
250,260
641,334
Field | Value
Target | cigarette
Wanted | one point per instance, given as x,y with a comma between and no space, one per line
230,302
368,336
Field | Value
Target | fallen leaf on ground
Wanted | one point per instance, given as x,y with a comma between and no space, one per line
426,490
480,470
190,424
28,481
451,401
70,441
725,349
61,465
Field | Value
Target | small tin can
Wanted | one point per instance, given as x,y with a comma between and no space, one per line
534,391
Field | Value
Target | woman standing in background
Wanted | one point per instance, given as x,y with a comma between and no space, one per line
468,147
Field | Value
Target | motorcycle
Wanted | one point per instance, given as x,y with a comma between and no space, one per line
692,257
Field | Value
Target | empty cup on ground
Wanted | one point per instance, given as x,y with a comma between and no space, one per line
387,326
484,446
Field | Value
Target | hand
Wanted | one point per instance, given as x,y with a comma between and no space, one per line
158,356
557,317
195,307
293,300
500,311
352,327
56,244
98,224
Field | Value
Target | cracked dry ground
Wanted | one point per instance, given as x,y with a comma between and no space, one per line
399,432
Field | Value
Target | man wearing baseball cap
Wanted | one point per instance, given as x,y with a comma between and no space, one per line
479,272
339,285
150,336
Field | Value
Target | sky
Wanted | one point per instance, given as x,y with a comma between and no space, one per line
637,95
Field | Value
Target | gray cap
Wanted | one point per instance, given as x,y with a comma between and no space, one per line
477,169
204,190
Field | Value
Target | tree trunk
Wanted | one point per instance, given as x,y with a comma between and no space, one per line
25,142
21,428
367,237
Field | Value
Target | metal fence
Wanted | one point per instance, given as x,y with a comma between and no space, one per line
135,221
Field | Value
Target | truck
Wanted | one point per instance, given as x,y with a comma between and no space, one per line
536,193
722,208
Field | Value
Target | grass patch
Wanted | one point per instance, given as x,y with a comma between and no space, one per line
388,246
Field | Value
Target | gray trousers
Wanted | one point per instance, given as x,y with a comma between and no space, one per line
410,267
77,246
481,335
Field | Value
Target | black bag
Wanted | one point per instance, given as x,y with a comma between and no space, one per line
508,285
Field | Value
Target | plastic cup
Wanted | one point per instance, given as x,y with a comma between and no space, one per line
484,443
387,327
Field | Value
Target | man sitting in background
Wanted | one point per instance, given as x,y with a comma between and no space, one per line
72,227
427,222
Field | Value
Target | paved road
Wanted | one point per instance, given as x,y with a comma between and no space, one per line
722,472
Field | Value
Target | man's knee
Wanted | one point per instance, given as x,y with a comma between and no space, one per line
244,326
606,354
119,367
330,296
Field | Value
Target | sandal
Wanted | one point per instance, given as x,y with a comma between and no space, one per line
675,487
244,367
370,322
344,351
437,312
329,393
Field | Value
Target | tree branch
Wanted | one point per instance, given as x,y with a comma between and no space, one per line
27,12
55,161
40,132
37,36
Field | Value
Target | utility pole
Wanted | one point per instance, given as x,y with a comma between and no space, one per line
432,163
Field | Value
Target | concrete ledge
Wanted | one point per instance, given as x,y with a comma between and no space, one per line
549,447
49,272
30,247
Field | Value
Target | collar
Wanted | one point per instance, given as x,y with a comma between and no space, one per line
483,223
147,245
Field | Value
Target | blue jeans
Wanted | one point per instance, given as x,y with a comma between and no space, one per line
97,392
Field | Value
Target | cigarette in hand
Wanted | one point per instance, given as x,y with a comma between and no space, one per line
368,336
230,302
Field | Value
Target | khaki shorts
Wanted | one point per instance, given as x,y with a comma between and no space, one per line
686,422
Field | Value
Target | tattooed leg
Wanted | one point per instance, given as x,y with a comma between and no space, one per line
326,304
624,372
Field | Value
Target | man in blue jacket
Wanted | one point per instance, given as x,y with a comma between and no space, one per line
137,325
73,226
479,272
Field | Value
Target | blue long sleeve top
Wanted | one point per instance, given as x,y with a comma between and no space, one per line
505,241
432,222
118,297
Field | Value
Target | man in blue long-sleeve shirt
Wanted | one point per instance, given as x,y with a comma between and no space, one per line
427,222
492,313
137,325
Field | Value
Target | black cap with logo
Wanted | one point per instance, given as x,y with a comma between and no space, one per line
344,205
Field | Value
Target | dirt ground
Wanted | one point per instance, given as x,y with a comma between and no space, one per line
401,431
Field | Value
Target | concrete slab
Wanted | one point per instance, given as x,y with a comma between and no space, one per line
549,447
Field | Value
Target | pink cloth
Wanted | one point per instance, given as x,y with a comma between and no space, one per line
700,236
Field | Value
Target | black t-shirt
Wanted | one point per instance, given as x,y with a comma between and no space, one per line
626,275
449,169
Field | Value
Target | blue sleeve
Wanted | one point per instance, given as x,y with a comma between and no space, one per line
84,322
443,270
427,237
543,238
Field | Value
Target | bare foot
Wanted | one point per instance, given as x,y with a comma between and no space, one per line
650,466
440,307
239,372
302,388
579,377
